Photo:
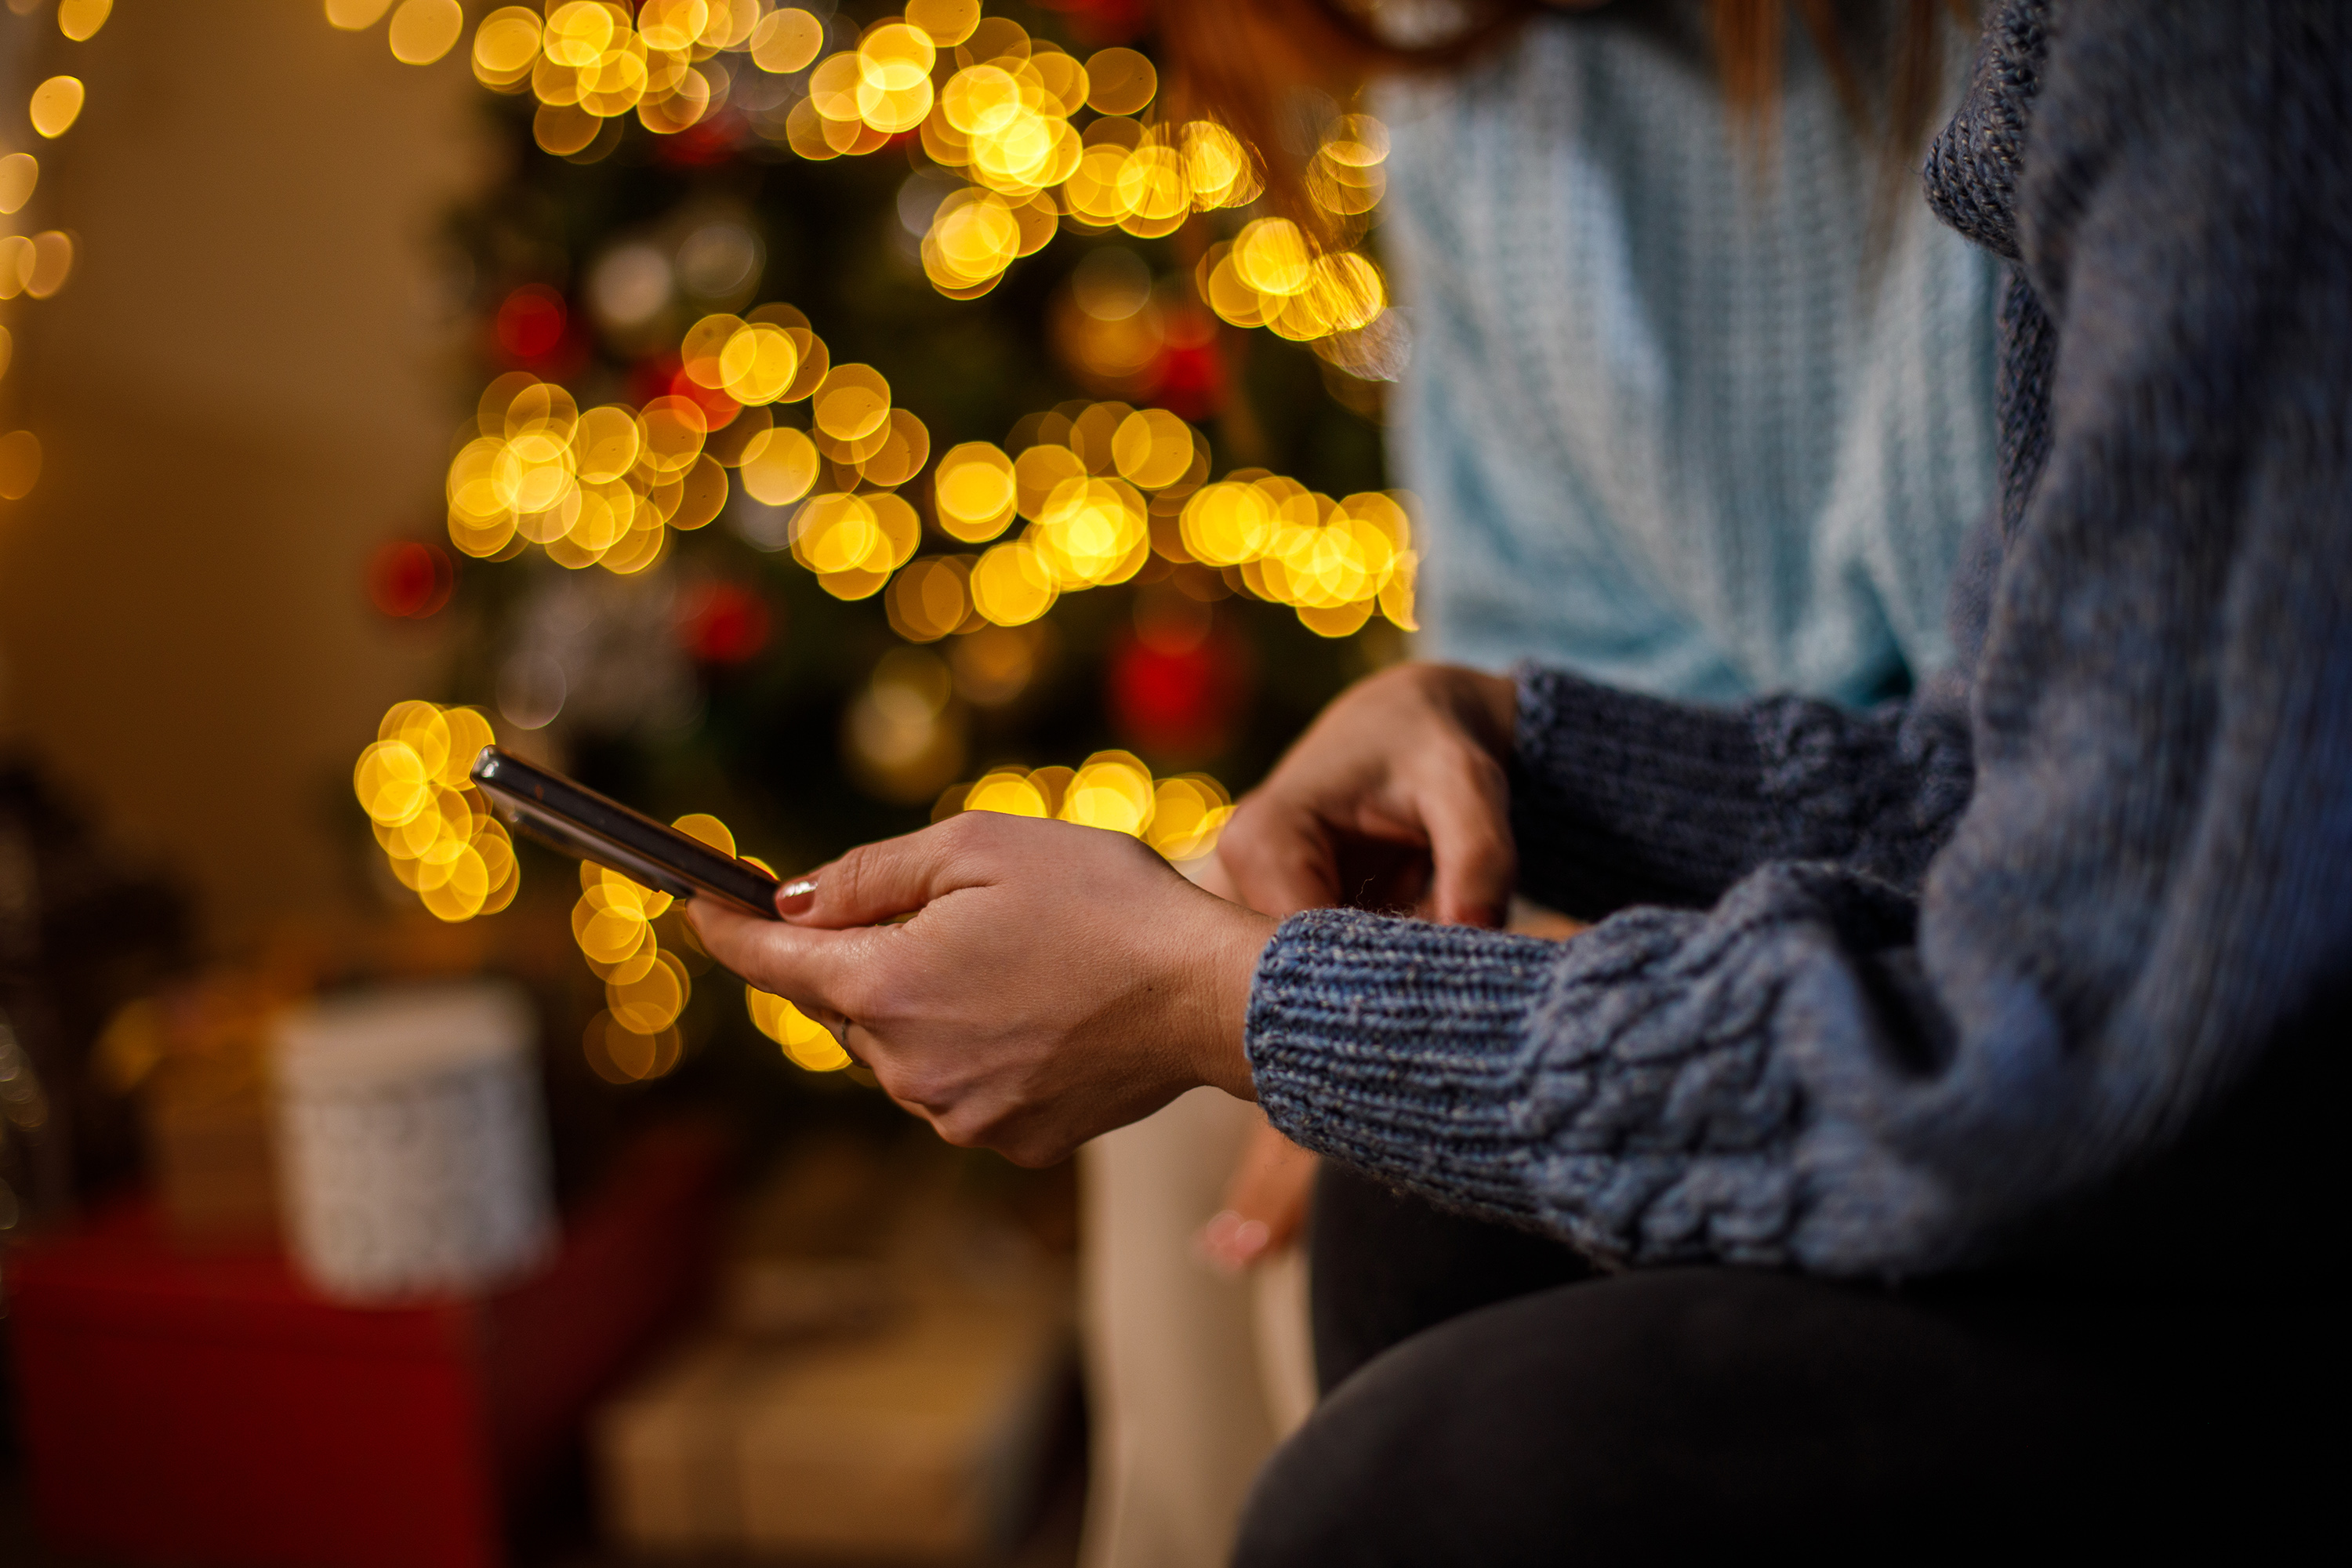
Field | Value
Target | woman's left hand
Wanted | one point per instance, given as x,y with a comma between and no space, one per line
1054,982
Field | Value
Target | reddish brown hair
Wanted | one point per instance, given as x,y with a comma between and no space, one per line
1240,61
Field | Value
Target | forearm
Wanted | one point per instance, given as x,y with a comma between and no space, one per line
2145,906
1620,799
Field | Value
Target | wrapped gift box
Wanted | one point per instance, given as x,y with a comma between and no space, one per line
880,1384
917,1441
212,1409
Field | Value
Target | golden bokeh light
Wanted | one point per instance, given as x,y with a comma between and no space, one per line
1153,449
1123,80
20,464
81,19
931,598
1007,791
55,105
652,1001
708,829
506,46
620,1054
422,31
974,493
807,1045
17,259
786,40
948,22
902,449
19,173
1010,585
435,830
853,403
903,736
1091,533
994,664
758,363
1041,470
353,14
779,466
1112,790
52,264
1188,813
837,531
1180,816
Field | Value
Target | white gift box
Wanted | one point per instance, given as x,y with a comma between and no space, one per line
411,1142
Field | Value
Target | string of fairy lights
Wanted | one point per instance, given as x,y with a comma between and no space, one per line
1040,141
35,266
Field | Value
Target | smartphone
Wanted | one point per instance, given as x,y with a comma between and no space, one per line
577,821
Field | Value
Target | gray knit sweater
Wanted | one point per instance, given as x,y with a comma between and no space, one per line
2056,948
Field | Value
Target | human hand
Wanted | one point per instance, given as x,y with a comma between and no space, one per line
1395,797
1054,982
1266,1202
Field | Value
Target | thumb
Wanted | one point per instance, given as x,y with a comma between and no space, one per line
806,967
877,882
1278,857
1474,861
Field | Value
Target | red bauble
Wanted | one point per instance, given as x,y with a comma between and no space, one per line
530,322
663,375
703,143
1177,702
1189,380
721,623
410,579
718,410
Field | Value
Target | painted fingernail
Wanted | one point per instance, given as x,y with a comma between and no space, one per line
794,898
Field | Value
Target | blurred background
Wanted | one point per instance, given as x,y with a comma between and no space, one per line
799,422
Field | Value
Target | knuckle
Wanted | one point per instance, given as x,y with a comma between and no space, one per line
847,875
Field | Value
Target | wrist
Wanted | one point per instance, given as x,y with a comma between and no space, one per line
1225,968
1494,704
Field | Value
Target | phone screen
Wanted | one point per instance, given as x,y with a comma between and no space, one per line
577,821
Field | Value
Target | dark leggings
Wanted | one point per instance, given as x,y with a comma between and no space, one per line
1492,1401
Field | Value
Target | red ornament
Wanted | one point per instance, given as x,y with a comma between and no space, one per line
664,375
1189,380
721,623
1175,702
718,410
702,143
530,322
410,579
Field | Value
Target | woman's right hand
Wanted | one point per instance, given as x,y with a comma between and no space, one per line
1394,798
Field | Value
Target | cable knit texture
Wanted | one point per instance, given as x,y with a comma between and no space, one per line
1674,424
2061,946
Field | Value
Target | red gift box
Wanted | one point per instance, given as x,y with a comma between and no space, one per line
192,1409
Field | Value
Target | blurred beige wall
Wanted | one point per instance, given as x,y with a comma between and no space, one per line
242,390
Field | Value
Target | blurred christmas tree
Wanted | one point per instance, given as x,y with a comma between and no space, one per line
870,405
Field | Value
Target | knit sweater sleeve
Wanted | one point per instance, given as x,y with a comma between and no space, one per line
1619,798
2150,890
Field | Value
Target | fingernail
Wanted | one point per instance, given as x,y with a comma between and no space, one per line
1229,1243
794,898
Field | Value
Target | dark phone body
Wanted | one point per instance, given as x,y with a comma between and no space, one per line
577,821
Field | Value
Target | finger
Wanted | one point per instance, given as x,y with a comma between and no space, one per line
1280,860
1468,820
1264,1203
874,882
807,968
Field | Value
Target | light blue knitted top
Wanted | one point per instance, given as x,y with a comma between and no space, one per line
1673,427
